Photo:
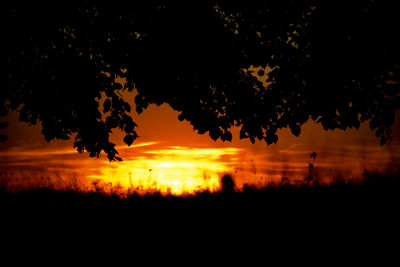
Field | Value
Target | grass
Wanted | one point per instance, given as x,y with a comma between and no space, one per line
306,217
375,189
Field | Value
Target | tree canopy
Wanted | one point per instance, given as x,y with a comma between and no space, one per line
336,62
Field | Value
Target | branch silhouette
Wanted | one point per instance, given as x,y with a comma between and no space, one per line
334,62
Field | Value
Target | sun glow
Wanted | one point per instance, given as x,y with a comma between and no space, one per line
172,170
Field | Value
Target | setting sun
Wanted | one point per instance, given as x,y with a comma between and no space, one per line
173,170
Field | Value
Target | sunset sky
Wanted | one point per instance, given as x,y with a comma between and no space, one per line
208,63
170,156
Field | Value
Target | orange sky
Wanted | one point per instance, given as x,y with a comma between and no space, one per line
168,148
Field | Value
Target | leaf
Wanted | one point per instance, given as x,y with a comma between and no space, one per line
110,156
243,134
271,138
3,124
111,122
63,136
214,134
202,130
3,138
383,140
139,110
295,129
117,86
128,139
227,136
379,132
252,139
106,105
127,107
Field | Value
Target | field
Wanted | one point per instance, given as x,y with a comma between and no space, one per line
333,219
375,193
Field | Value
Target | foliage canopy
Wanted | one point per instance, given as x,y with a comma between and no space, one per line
336,62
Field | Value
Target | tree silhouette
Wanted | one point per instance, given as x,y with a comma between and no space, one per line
334,62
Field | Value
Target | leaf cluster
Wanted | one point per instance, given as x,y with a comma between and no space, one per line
336,62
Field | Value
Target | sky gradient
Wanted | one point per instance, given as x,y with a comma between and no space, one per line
168,148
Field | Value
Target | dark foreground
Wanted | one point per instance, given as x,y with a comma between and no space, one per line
376,196
294,215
